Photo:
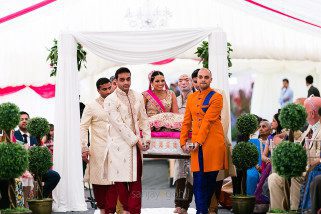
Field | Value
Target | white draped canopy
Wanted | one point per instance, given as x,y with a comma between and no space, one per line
122,47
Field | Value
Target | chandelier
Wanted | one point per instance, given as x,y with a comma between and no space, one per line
148,16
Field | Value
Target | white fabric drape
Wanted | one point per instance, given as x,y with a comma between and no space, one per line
142,46
122,47
69,193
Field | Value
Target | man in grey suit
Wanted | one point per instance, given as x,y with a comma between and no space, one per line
311,89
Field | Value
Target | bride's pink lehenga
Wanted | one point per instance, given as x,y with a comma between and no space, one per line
161,118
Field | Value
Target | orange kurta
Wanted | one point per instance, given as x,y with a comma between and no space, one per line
207,130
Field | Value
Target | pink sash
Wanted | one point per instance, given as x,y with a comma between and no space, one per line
151,97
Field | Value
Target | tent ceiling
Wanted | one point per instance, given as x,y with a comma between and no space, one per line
253,32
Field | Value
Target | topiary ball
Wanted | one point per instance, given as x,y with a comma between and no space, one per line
38,126
246,124
9,116
39,160
293,116
245,155
13,160
289,159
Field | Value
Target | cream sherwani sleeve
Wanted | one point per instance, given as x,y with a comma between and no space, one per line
84,127
143,121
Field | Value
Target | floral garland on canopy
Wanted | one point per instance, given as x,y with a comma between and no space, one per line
202,52
53,57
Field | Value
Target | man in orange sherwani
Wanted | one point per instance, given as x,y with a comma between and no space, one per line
208,151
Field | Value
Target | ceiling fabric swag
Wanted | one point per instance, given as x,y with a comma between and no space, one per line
123,48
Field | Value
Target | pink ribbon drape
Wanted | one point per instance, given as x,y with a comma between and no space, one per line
10,90
281,13
163,61
26,10
46,91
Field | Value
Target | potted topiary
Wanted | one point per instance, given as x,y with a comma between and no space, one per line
246,125
14,157
39,163
293,117
9,119
244,157
289,160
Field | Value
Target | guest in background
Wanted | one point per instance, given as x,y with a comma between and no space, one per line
286,95
183,178
48,139
113,83
50,178
311,89
194,80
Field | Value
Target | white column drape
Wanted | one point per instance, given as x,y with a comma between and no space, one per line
69,193
123,48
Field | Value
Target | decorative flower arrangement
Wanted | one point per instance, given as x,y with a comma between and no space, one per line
244,156
38,127
9,117
293,117
246,124
289,159
202,52
166,120
53,57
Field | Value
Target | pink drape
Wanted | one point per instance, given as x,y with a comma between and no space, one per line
10,90
26,10
163,61
45,91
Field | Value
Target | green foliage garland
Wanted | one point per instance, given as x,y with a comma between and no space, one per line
246,124
202,52
53,57
289,159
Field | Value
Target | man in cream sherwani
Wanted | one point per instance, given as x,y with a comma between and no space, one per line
123,164
95,118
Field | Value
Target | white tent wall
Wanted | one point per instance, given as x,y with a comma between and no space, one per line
268,76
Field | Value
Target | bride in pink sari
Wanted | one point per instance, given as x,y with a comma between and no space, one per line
158,98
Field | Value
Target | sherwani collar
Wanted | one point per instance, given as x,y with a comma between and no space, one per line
205,91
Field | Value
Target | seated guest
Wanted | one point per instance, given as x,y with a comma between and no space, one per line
253,174
277,184
158,98
313,171
48,140
51,178
316,195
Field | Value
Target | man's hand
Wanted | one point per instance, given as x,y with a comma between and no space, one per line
196,145
84,156
185,148
141,147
